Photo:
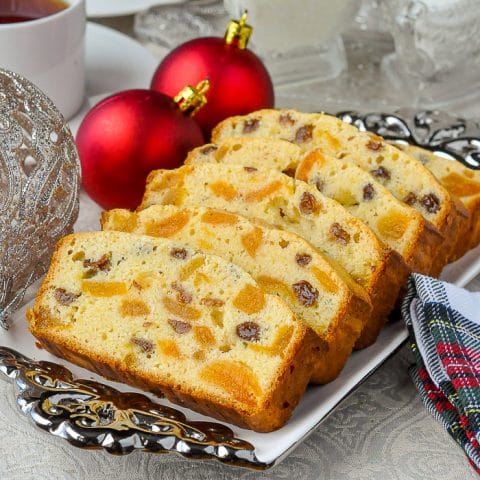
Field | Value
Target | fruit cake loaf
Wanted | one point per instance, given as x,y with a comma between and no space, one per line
398,225
460,181
282,263
169,319
291,205
402,174
395,223
256,152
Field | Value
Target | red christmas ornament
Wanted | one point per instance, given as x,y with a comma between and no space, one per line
131,133
239,81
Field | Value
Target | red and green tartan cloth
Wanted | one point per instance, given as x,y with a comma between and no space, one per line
444,325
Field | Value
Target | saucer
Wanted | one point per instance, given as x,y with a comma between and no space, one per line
114,62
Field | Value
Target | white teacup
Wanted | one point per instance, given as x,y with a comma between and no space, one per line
49,51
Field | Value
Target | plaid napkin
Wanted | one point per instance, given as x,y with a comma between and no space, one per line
444,325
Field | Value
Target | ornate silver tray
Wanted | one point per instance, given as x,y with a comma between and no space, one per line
451,137
96,414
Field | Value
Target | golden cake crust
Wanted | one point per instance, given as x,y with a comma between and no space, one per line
259,152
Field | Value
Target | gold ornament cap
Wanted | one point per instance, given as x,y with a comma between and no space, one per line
191,99
238,32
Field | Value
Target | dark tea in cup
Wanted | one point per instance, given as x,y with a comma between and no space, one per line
12,11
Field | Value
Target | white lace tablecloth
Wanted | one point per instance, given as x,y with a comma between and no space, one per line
381,431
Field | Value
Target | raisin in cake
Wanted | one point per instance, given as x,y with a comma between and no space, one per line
460,181
165,317
402,174
291,205
282,263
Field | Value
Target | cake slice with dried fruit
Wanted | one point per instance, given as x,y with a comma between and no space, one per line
294,206
167,318
461,182
398,225
325,298
402,174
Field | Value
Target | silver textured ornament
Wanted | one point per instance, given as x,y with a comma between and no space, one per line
39,186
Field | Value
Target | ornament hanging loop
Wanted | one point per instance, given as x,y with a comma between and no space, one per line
191,99
238,32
